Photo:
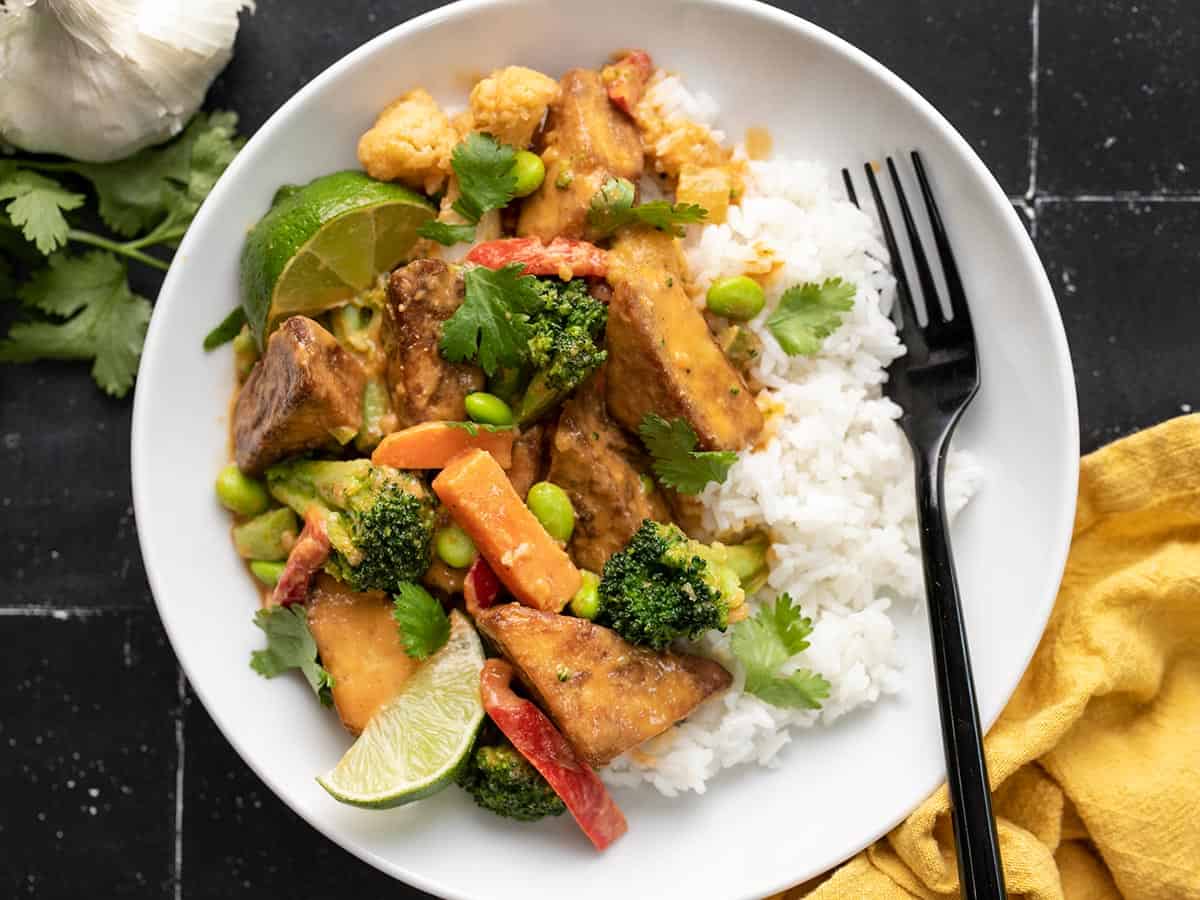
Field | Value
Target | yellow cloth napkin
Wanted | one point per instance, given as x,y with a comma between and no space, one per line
1095,762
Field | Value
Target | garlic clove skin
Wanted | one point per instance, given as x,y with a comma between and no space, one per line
98,80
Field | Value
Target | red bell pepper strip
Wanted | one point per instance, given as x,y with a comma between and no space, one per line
626,79
536,738
308,555
481,587
562,257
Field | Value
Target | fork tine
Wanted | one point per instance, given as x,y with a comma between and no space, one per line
933,307
904,313
958,297
849,182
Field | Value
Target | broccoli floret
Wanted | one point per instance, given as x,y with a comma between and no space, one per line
502,781
565,347
379,519
663,585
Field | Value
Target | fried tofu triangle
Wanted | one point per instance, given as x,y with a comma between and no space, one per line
605,694
359,643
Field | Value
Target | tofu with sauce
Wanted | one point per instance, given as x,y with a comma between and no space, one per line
425,387
661,356
304,394
600,468
588,140
359,645
605,694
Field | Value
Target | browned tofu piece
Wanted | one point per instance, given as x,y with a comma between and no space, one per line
600,469
605,694
529,459
661,356
425,387
304,394
359,645
588,141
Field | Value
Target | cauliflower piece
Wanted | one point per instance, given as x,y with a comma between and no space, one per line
411,142
510,103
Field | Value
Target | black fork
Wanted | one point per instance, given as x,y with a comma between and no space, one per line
933,383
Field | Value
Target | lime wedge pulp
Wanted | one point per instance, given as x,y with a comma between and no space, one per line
323,243
414,745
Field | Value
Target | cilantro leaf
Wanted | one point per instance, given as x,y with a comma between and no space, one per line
36,206
70,283
677,462
108,321
485,173
808,313
164,185
612,207
424,625
764,642
492,324
226,330
446,233
800,690
290,645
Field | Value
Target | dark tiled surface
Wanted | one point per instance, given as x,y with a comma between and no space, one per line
1143,259
87,757
1117,78
66,472
240,841
986,44
1125,273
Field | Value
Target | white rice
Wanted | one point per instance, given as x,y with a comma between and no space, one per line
834,485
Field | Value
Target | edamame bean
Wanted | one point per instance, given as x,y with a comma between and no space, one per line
552,507
454,547
530,172
241,494
488,409
586,602
267,572
740,297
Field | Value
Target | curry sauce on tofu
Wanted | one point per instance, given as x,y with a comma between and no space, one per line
513,422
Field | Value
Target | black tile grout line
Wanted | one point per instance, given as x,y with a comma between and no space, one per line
177,861
62,614
1035,37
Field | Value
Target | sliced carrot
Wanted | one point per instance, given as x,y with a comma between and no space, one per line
529,562
431,445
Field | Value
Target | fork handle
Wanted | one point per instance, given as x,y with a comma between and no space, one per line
976,843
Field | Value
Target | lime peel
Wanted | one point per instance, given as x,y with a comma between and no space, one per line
416,743
323,243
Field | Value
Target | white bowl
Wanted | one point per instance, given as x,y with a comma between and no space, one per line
835,790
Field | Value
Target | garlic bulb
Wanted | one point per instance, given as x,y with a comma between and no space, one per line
97,80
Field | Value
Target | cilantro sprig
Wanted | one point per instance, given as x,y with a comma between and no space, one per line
290,645
611,207
486,176
767,640
808,313
446,233
79,306
492,324
424,625
676,461
487,180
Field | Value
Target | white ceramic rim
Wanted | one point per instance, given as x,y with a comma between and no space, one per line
141,431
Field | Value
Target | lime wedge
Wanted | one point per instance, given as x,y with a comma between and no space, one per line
415,744
323,243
